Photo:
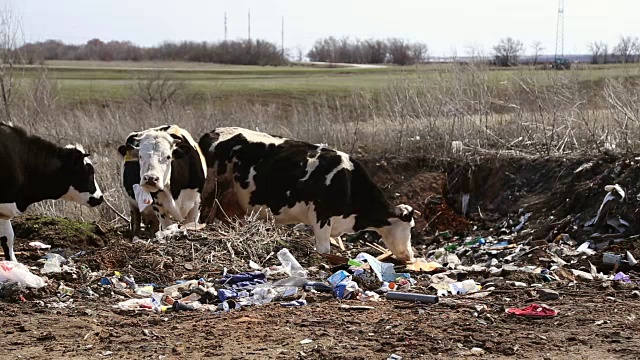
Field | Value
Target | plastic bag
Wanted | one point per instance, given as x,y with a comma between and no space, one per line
12,272
53,264
143,198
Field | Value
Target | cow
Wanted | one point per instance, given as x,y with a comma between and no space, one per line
130,175
33,169
304,183
173,170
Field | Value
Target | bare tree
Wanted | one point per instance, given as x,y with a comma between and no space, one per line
536,48
158,90
299,52
419,52
599,52
605,53
626,48
10,38
508,51
596,51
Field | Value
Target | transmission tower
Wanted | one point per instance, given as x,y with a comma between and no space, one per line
225,26
560,31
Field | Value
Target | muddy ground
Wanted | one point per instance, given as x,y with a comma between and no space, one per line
596,319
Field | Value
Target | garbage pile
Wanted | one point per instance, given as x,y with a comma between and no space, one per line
363,278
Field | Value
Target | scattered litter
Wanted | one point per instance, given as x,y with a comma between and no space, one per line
294,303
12,272
533,310
355,307
622,277
429,299
306,341
546,294
39,245
424,265
460,288
53,264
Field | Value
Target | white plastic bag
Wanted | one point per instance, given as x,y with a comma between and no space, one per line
142,197
12,272
53,264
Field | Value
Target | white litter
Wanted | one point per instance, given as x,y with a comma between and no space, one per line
39,245
143,198
12,272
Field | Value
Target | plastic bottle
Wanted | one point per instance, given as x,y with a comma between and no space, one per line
179,306
286,258
317,286
291,281
175,290
429,299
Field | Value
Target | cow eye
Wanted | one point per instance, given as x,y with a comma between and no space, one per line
169,157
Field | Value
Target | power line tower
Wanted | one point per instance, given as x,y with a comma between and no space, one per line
225,27
249,24
282,38
560,31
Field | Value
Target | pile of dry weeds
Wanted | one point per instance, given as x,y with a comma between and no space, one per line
197,253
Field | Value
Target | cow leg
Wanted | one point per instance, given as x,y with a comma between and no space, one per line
193,216
6,239
135,222
322,232
164,219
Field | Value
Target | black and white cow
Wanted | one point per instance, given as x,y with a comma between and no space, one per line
172,170
305,183
130,174
33,169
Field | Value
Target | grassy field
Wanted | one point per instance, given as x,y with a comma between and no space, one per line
88,81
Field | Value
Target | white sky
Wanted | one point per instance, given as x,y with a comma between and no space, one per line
444,24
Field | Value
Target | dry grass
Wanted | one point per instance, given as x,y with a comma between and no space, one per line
557,115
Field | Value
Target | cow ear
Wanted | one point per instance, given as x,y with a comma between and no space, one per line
73,156
176,137
178,153
122,149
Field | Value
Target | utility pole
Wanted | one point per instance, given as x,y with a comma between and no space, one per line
560,31
282,38
249,24
225,26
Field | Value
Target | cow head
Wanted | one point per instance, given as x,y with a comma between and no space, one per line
397,235
80,176
156,150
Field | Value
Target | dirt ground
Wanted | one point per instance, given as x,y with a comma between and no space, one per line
596,319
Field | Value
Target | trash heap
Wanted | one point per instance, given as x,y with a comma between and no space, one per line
364,278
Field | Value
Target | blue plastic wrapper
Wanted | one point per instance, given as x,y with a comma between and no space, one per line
224,294
230,279
294,303
345,290
248,284
338,277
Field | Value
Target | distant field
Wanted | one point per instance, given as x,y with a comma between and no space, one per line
87,81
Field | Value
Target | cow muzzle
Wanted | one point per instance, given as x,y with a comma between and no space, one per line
151,183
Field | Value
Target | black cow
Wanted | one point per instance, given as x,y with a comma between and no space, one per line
33,169
305,183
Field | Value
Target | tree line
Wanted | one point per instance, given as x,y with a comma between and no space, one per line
370,51
238,52
508,52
